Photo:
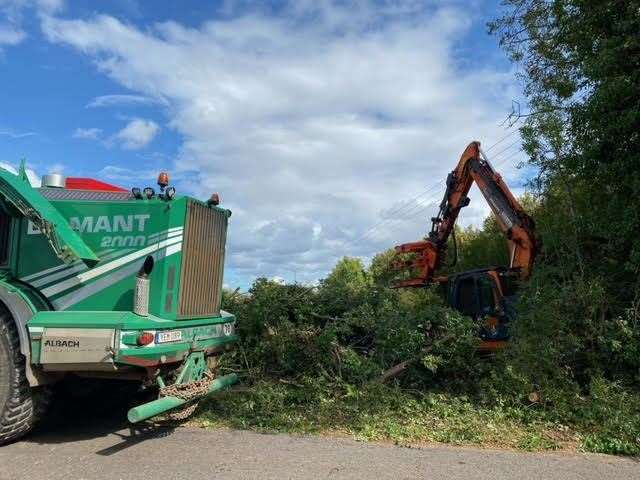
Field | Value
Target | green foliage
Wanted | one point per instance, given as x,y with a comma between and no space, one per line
346,287
480,247
577,338
579,61
347,330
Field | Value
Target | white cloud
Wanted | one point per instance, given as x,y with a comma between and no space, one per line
11,18
311,124
137,134
87,133
15,134
130,176
10,35
120,100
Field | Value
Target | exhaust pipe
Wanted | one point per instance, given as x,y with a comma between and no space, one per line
143,286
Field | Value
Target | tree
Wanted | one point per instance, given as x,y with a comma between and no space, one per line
345,288
579,61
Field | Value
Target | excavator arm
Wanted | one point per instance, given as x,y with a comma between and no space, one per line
512,219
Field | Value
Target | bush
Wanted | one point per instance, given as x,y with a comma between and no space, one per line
348,329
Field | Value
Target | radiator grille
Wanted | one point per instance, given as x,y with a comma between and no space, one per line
202,261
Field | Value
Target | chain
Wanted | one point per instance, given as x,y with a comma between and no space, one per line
187,391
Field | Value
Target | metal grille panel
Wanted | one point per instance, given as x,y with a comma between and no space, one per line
202,261
64,194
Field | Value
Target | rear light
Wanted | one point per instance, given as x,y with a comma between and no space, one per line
145,338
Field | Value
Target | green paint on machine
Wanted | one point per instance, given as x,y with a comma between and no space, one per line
83,287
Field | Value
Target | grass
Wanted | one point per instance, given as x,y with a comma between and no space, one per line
379,413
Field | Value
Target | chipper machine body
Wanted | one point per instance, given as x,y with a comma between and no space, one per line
102,282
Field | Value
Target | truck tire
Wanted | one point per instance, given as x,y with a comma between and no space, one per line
21,406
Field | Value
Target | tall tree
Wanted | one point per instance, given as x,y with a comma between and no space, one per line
580,64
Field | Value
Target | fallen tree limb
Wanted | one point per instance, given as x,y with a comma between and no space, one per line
401,367
290,382
325,317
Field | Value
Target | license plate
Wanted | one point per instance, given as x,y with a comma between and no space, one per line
171,336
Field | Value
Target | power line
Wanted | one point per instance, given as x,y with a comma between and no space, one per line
420,207
400,208
501,140
405,204
388,219
505,149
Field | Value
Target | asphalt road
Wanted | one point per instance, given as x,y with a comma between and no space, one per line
185,453
90,440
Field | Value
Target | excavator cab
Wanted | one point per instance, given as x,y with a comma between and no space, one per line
488,296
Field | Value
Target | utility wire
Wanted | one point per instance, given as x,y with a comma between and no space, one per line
406,203
409,213
501,140
425,208
395,217
420,207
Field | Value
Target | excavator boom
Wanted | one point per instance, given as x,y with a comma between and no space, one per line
512,219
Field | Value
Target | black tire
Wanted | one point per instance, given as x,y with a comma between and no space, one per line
20,405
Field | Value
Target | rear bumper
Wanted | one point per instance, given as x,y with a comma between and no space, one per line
72,340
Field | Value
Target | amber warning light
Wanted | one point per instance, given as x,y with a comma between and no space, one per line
163,180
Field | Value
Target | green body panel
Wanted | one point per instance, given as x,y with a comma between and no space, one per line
119,320
35,302
67,244
136,232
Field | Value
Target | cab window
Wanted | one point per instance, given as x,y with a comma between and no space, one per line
466,297
510,285
485,295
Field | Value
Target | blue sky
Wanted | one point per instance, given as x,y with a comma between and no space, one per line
314,119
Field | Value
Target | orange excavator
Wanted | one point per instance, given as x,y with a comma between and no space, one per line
487,294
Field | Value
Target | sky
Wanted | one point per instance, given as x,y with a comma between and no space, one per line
327,127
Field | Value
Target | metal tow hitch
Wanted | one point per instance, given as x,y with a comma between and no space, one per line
194,383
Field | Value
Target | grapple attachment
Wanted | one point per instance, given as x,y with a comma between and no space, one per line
421,256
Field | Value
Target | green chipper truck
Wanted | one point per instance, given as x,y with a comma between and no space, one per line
102,282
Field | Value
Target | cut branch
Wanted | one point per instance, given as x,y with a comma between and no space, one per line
401,367
325,317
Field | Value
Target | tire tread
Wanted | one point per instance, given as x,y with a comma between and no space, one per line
25,405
